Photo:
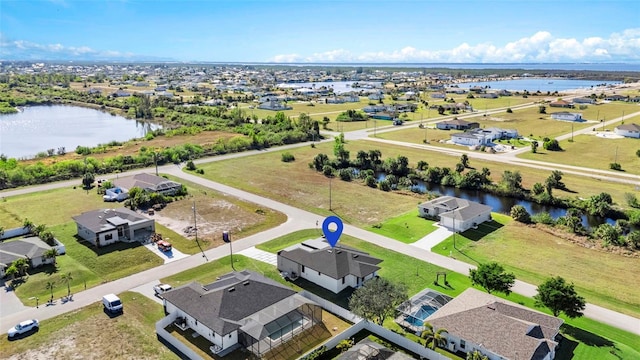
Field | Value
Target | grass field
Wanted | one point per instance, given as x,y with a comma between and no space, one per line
534,255
590,339
407,227
90,333
88,266
593,152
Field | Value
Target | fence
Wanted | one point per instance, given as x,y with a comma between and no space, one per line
172,341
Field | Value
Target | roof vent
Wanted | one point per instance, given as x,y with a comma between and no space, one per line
355,256
205,289
329,251
338,251
245,283
491,307
232,289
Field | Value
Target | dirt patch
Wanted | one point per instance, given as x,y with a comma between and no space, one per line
587,242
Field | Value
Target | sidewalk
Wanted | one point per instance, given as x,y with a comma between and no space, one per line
260,255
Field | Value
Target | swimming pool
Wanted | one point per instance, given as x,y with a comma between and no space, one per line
417,318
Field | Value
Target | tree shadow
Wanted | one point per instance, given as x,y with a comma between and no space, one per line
566,349
585,337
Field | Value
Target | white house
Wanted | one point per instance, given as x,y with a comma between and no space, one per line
274,105
30,248
567,116
334,269
107,226
454,213
242,309
628,130
496,327
471,139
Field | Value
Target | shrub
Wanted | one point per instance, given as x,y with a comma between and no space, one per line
200,171
615,166
371,181
190,165
327,170
552,145
543,218
520,214
384,185
288,157
509,110
346,174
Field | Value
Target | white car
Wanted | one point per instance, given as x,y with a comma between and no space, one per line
23,327
161,289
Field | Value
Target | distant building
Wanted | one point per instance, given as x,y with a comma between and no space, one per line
566,116
561,103
628,130
456,124
274,105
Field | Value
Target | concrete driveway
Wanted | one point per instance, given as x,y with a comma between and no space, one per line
9,302
433,238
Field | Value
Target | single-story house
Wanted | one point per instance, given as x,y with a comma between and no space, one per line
107,226
616,97
561,103
635,99
149,183
628,130
471,138
334,269
454,213
438,95
382,116
274,105
378,96
496,327
457,124
499,133
567,116
242,309
489,95
120,93
31,248
584,100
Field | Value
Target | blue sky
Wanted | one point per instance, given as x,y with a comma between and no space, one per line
322,31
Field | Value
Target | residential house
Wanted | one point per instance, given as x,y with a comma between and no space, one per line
94,91
561,103
377,96
635,99
107,226
457,124
616,97
242,309
628,130
454,213
274,105
438,95
149,183
496,327
31,248
374,108
499,133
488,95
334,269
471,139
567,116
120,93
584,101
505,93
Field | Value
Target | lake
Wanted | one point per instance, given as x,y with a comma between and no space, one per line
339,87
542,84
38,128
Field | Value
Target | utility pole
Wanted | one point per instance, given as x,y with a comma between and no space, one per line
330,176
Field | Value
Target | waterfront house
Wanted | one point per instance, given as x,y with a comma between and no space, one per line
455,214
334,269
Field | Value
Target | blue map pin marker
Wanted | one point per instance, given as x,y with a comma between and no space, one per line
332,236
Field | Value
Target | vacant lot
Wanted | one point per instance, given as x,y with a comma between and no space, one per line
535,255
90,333
593,152
353,201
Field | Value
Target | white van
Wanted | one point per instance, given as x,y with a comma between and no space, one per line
112,303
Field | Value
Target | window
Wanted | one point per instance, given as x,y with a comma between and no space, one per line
319,273
462,344
108,236
302,268
343,280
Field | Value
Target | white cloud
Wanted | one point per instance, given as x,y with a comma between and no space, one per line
540,47
21,49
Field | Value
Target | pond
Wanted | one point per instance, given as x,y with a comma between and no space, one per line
37,128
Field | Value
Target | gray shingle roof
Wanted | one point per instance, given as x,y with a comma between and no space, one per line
145,181
504,328
222,305
106,219
629,127
29,247
335,263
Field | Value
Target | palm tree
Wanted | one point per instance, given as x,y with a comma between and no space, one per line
476,355
11,271
50,286
22,265
51,254
433,337
67,278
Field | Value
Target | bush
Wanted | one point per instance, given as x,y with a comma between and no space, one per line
346,174
200,171
615,166
384,185
509,110
543,218
370,181
520,214
288,157
190,165
552,145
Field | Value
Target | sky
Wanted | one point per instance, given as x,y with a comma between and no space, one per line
322,31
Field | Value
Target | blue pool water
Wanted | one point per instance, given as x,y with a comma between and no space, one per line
417,319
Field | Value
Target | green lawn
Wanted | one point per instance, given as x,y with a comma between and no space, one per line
88,266
534,255
408,227
593,152
89,332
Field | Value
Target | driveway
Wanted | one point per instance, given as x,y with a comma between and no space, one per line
260,255
167,256
433,238
9,302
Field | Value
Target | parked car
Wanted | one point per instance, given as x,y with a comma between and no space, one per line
163,245
397,122
112,303
161,289
23,328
